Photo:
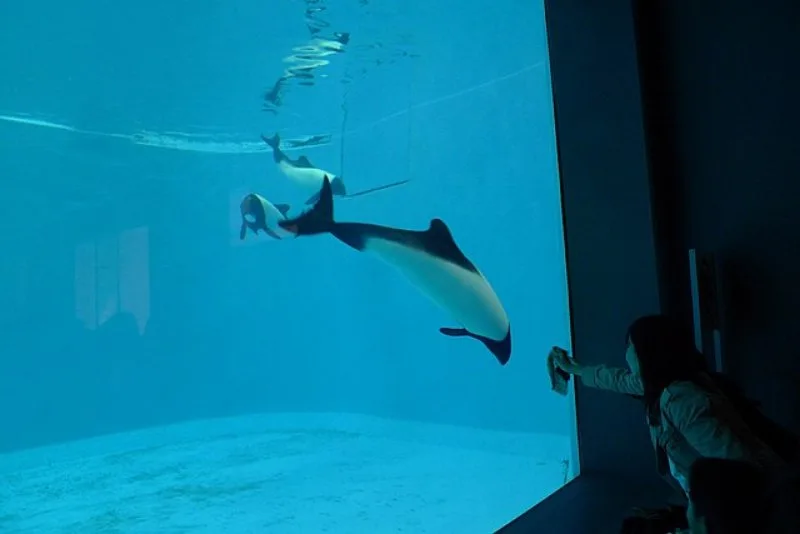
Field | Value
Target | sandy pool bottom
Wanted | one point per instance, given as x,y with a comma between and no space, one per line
283,474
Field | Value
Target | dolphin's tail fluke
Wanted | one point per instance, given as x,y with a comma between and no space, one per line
318,219
274,142
337,188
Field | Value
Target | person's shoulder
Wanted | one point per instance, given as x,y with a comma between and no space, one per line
684,392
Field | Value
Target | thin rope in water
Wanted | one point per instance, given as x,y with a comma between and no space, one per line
444,98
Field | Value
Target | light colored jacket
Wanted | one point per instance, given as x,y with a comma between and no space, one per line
695,422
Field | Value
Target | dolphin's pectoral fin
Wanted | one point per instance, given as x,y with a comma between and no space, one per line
283,208
242,231
303,161
500,348
455,332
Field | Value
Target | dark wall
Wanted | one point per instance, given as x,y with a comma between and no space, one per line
712,93
677,128
608,221
722,91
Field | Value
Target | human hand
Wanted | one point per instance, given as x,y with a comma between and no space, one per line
562,360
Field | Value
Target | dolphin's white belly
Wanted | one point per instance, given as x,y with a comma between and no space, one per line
466,295
309,177
272,216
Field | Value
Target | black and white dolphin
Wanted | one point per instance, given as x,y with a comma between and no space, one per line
305,174
258,213
431,260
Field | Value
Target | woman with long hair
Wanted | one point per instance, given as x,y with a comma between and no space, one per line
690,412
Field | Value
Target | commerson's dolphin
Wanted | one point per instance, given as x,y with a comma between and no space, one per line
259,213
431,260
303,173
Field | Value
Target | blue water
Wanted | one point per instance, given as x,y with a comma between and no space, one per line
159,375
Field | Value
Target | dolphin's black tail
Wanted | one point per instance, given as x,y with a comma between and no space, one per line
318,219
274,142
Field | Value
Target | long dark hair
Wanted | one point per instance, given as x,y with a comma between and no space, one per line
666,354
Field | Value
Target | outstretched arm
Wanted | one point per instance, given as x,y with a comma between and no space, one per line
615,379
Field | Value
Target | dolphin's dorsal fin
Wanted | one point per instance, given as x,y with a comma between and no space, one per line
439,234
439,241
303,161
439,231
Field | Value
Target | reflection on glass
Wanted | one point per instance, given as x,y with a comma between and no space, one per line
278,267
